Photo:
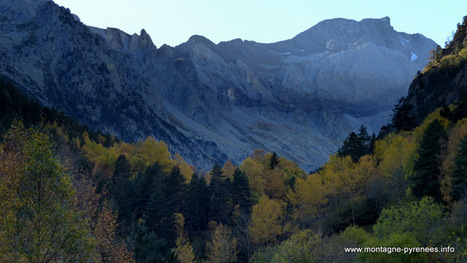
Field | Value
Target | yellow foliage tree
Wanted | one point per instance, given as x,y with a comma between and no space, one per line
183,249
253,170
274,186
185,169
223,247
229,169
266,221
308,199
395,154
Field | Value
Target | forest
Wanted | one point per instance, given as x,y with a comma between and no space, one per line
71,194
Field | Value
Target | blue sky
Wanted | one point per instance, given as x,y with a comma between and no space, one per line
174,21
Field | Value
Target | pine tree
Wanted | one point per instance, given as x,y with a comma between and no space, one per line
425,180
176,189
401,119
357,145
198,203
119,193
459,176
241,192
274,161
352,146
149,247
242,199
159,211
142,188
219,187
364,141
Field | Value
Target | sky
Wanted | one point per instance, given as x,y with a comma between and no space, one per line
172,22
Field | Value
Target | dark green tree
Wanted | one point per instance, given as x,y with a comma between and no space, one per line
356,145
351,146
459,176
221,203
242,199
176,190
119,193
274,161
142,188
241,192
151,248
401,118
425,180
198,203
159,212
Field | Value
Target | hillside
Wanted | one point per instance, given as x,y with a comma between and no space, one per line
442,82
213,102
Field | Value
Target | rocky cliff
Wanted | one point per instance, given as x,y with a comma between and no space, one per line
443,81
210,102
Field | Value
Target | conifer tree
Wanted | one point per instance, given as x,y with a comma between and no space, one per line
459,176
401,119
198,203
119,193
219,187
274,161
357,145
142,188
159,211
425,180
241,192
176,189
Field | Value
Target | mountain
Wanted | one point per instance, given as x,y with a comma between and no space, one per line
207,101
442,82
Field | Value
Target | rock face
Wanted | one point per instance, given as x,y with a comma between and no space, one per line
443,81
298,97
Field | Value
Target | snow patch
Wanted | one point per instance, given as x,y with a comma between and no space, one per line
414,56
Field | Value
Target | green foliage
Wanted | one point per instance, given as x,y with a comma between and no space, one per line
426,177
150,248
120,184
263,255
40,223
221,196
454,54
395,154
198,203
401,119
160,210
357,145
241,192
459,176
298,248
422,220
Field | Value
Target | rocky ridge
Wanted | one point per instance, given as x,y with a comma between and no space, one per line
207,101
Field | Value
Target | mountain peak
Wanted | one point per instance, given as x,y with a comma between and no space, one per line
384,22
198,39
141,42
206,101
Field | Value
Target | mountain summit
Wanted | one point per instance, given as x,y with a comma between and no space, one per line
298,97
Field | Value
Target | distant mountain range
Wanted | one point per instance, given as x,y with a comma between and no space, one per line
208,102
